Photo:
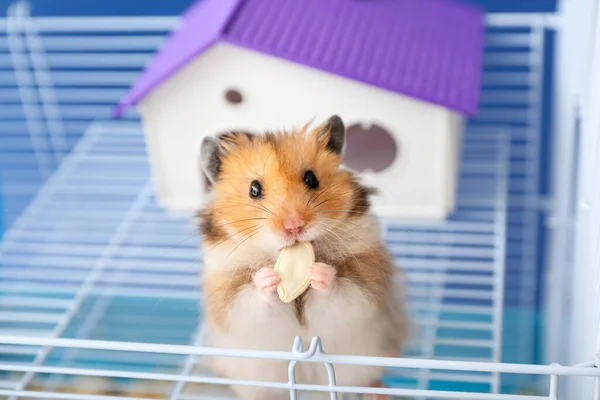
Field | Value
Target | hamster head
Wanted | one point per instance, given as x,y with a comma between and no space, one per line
276,189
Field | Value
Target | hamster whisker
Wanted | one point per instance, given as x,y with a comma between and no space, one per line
241,220
310,199
342,242
197,259
358,239
221,242
338,234
229,237
243,241
342,222
335,227
347,232
325,201
347,211
258,206
261,207
195,235
325,190
354,212
334,243
330,247
266,209
173,246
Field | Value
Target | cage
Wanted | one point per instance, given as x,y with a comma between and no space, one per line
98,291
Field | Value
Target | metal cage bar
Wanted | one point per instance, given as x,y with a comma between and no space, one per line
92,271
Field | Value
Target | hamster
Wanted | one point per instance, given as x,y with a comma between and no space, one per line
270,191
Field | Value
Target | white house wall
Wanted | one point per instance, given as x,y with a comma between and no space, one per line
277,94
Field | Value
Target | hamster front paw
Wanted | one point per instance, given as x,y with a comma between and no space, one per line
322,276
266,280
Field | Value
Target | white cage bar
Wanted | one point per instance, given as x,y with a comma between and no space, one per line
315,353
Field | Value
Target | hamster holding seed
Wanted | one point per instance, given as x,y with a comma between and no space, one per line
271,191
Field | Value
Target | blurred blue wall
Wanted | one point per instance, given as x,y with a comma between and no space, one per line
162,7
1,207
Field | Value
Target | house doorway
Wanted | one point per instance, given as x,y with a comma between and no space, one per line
369,147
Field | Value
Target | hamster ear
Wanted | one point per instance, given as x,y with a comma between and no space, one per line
332,134
213,149
210,159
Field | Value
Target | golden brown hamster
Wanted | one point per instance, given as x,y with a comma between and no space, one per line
273,190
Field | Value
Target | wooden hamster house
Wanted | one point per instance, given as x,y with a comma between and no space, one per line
402,74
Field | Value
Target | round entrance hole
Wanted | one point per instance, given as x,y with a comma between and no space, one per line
233,96
369,147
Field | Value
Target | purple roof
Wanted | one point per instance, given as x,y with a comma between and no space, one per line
427,49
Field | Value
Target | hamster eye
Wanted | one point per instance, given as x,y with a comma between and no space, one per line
311,180
256,190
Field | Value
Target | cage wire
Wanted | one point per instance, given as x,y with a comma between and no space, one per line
97,281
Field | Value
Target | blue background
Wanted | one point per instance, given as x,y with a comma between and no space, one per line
167,7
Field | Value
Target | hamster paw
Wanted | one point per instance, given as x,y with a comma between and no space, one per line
322,276
266,281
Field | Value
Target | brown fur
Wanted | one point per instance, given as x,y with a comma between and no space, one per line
210,230
220,290
371,270
299,308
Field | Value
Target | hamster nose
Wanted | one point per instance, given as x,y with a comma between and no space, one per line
294,224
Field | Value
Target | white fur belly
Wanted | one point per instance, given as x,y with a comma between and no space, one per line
256,324
347,325
343,318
